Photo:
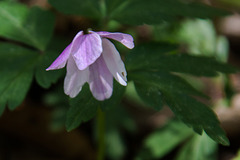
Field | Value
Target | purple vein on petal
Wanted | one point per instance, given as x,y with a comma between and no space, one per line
114,62
100,80
61,60
125,39
86,49
74,79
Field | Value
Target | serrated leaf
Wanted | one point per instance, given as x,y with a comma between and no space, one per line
43,77
177,94
153,57
162,141
198,148
33,26
138,12
150,95
163,81
82,108
16,69
196,115
88,8
150,86
147,55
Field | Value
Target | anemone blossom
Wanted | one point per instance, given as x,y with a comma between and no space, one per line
92,58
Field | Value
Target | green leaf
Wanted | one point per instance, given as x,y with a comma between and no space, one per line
177,94
150,86
164,140
88,8
148,54
196,115
83,108
33,26
150,96
222,49
201,39
43,77
199,35
115,147
16,69
138,12
198,148
117,120
153,57
164,81
114,100
132,95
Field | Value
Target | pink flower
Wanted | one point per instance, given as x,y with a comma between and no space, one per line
92,58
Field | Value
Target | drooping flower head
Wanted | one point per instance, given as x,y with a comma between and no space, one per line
92,58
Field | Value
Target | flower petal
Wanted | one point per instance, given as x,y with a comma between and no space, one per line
125,39
74,79
114,62
86,49
100,80
61,60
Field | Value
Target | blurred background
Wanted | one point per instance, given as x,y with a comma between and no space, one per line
36,131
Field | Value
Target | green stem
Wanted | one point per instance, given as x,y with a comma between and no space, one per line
103,8
101,134
103,23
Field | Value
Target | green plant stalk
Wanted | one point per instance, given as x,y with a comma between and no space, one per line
101,134
103,23
103,8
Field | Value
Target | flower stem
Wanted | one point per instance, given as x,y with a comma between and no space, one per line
101,134
103,23
103,8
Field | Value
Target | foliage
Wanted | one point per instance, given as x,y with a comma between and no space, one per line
30,26
131,12
155,68
169,136
89,8
76,115
17,72
205,147
173,134
152,83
